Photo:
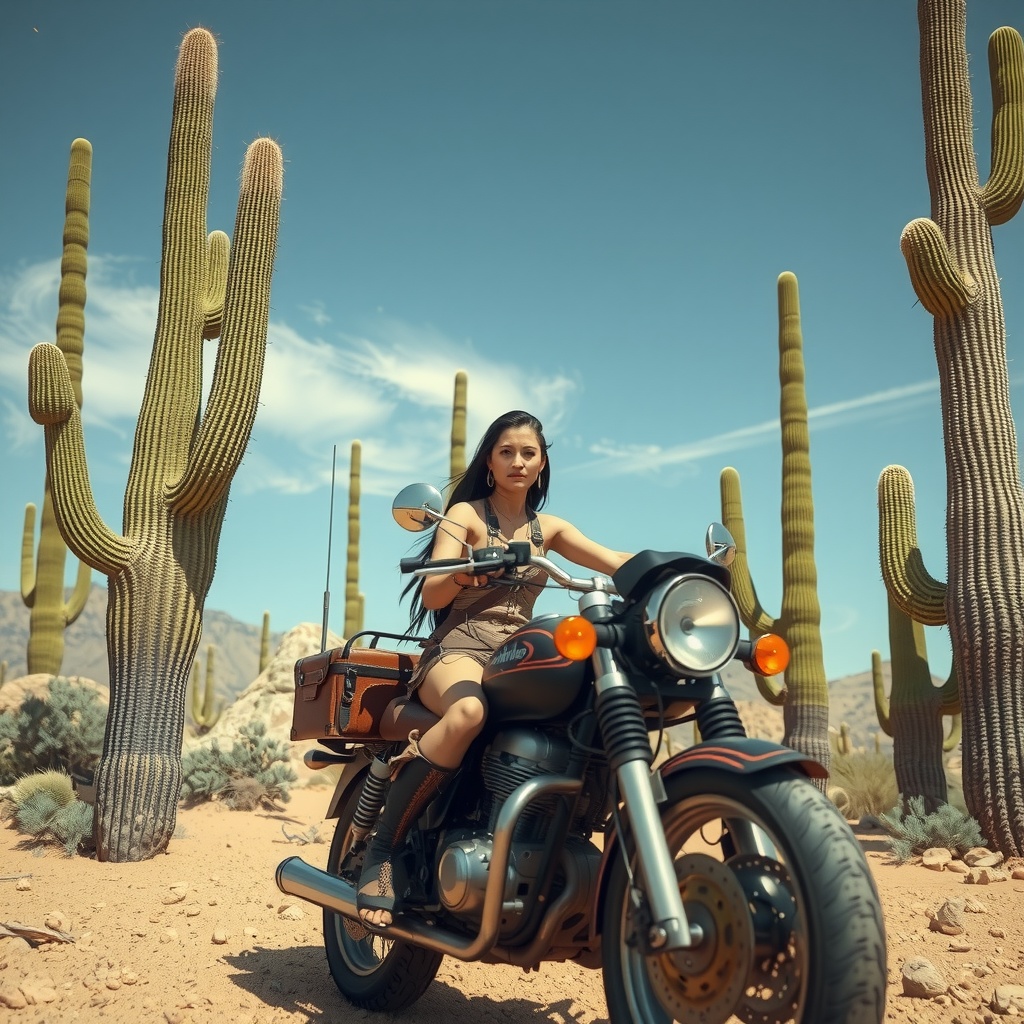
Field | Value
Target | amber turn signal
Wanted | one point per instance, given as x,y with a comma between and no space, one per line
770,655
575,638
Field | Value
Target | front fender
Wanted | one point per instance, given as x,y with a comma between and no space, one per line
742,754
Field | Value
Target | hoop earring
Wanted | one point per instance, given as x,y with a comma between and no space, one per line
490,479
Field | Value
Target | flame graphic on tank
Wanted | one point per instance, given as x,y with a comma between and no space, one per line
517,655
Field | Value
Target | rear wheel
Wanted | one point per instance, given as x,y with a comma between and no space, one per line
372,972
792,923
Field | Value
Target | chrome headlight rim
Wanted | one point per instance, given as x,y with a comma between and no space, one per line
667,641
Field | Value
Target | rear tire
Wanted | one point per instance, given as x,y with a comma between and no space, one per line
371,972
805,897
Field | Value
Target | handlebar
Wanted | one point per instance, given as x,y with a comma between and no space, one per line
489,560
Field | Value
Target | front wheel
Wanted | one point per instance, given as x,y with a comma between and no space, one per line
372,973
791,918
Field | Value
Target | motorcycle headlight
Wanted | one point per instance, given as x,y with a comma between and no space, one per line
692,624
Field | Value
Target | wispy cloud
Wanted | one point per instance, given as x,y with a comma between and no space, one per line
633,459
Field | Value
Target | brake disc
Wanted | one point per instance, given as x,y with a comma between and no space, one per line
781,950
705,983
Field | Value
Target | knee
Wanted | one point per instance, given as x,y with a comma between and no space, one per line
467,715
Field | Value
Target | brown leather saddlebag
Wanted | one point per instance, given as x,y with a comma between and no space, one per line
342,693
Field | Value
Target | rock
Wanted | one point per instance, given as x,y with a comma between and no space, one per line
984,876
922,979
949,918
1017,873
38,989
973,906
23,885
220,936
1008,999
958,867
936,858
57,920
168,935
291,912
12,998
979,857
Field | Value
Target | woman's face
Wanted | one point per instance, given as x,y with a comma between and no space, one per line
516,460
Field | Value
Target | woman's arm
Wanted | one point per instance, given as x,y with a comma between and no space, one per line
563,538
463,526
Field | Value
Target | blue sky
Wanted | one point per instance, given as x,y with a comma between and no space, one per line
585,204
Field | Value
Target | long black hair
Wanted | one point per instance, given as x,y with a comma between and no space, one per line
471,486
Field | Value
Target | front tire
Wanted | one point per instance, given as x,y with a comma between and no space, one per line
371,972
793,923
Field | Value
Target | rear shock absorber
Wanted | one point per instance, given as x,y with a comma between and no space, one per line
371,798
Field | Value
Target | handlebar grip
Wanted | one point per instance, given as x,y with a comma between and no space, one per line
418,562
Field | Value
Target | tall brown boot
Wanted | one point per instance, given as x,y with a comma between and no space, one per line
417,783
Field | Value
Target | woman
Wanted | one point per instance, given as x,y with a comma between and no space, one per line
496,501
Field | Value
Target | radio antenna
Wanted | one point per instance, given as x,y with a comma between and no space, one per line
330,530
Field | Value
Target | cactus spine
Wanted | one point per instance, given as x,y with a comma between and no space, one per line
353,601
952,269
160,568
804,697
42,579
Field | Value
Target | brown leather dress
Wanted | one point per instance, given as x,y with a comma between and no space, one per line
498,609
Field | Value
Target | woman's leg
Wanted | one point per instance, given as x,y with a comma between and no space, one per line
452,691
403,715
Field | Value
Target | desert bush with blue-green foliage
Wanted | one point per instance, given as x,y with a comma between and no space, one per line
43,805
64,730
254,773
912,831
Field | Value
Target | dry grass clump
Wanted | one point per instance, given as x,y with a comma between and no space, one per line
862,783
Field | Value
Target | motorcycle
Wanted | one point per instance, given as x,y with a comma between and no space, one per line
721,883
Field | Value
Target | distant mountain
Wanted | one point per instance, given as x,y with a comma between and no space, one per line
851,699
236,659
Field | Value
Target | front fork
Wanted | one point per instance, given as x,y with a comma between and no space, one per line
624,732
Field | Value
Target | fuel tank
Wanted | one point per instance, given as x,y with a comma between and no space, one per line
527,679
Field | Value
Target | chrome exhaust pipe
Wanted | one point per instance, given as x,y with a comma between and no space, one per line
297,878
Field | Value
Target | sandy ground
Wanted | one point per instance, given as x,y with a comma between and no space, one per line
203,934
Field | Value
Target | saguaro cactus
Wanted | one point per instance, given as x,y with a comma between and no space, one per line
912,713
161,566
42,579
458,456
804,699
265,641
205,708
353,603
952,269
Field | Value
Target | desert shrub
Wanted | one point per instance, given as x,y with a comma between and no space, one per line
45,807
864,783
64,731
254,773
912,831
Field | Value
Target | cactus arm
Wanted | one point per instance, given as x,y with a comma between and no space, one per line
1004,190
28,559
955,732
949,693
943,289
79,594
913,589
51,400
217,257
881,700
754,617
227,425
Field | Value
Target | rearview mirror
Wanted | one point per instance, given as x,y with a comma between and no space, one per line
417,507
